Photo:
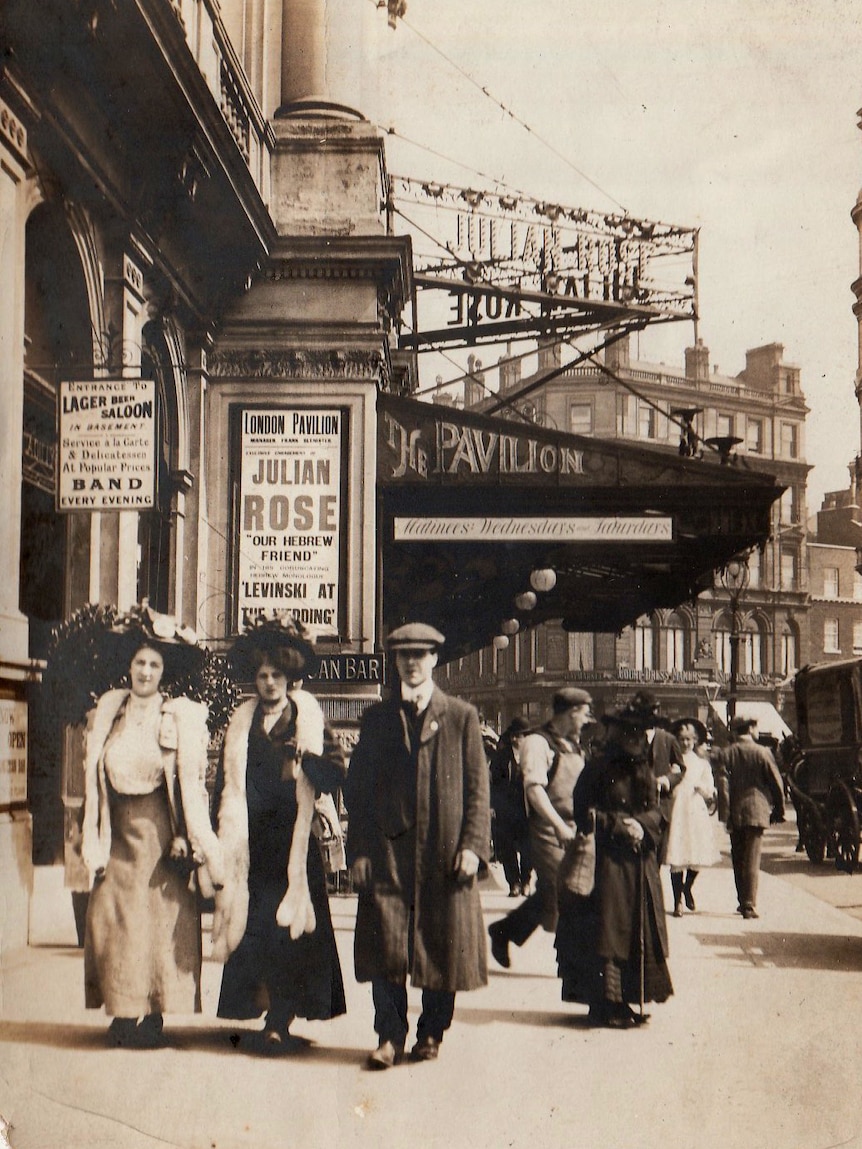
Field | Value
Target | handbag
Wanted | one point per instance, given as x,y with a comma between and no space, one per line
577,872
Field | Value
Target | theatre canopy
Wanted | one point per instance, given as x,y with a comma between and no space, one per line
470,506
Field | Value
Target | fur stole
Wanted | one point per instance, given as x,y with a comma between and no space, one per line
295,912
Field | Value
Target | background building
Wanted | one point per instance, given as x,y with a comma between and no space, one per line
683,654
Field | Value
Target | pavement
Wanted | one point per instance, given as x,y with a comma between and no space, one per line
759,1047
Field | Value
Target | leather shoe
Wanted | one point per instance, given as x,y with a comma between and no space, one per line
750,912
499,949
425,1049
385,1055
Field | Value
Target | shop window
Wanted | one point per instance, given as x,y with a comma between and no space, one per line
830,636
582,650
556,649
830,582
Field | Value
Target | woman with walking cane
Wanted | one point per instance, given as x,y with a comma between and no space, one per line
612,944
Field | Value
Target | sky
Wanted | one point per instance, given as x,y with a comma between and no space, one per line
737,117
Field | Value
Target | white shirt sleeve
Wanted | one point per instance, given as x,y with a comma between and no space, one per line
536,760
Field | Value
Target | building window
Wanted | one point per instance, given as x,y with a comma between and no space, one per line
644,645
724,426
789,440
830,636
857,586
582,650
581,419
674,644
647,428
857,637
751,650
721,643
789,656
626,406
830,582
754,569
754,436
788,572
788,506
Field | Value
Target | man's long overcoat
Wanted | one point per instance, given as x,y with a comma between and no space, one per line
412,847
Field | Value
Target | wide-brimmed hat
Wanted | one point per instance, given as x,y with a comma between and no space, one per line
281,640
631,718
415,636
142,626
695,723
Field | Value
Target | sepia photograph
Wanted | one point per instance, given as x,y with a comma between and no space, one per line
430,574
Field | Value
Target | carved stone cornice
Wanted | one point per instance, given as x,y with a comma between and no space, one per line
277,363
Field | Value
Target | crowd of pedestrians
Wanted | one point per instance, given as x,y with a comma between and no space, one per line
594,807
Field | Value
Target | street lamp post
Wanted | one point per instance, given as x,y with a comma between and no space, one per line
734,578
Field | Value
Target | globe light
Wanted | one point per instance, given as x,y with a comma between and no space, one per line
500,642
510,626
543,580
527,600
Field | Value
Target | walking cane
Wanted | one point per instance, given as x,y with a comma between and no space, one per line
644,1017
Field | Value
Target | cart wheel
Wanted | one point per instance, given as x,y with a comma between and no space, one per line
843,821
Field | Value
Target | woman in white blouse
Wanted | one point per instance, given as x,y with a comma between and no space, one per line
146,826
691,837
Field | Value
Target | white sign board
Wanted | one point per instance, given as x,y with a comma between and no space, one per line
536,529
13,753
107,436
291,516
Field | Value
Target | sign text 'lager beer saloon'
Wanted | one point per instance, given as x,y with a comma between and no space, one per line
107,439
291,515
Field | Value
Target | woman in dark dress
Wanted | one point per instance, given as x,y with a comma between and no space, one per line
272,923
612,946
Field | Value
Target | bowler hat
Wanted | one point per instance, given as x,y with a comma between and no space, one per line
415,636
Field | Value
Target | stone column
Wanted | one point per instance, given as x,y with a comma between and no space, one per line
13,193
321,58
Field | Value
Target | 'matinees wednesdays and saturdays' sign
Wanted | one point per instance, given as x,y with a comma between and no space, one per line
107,437
291,516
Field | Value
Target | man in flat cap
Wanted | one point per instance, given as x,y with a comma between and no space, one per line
751,797
419,825
552,759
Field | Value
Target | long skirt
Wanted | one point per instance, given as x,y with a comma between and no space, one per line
270,970
142,949
590,978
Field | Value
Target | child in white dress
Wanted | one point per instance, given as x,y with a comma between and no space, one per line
690,839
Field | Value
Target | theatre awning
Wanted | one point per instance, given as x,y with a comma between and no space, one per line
470,505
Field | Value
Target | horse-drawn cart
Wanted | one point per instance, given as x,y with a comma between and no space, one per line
825,777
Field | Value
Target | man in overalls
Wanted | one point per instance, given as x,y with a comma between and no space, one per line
551,762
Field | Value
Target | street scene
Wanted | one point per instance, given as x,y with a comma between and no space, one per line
431,573
757,1047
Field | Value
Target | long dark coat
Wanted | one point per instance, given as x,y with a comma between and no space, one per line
412,838
618,787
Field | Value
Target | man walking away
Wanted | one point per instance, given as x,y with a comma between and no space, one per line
751,790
